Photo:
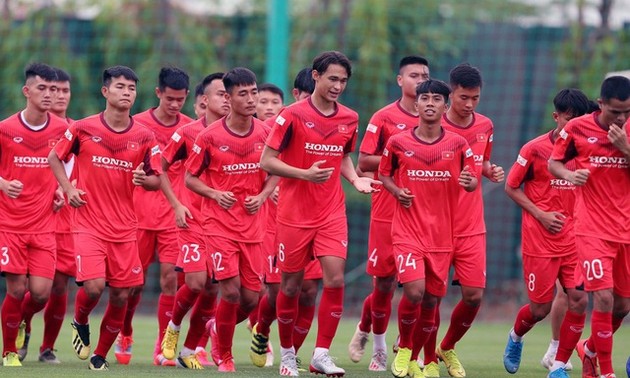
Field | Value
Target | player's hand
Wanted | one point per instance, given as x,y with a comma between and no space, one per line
139,175
466,178
75,197
12,188
364,185
579,177
496,173
253,204
181,214
317,174
405,197
225,199
275,195
58,201
618,137
552,221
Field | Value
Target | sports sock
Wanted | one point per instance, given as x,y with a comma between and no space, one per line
286,312
407,318
184,300
570,333
110,327
302,325
365,324
602,336
461,319
54,314
524,321
132,305
226,322
11,319
381,310
329,315
83,306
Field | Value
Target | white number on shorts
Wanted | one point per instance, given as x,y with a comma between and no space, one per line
373,257
531,282
194,256
404,263
217,258
594,269
281,251
272,269
5,256
78,263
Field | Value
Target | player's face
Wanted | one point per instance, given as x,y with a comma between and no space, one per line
431,106
121,93
614,111
464,101
171,100
562,118
200,106
216,102
331,83
243,99
39,93
61,99
410,77
269,104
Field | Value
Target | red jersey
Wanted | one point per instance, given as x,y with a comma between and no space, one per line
303,135
430,172
602,208
178,149
232,163
24,157
479,134
388,121
105,159
153,210
548,193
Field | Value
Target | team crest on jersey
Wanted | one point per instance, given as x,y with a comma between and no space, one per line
18,139
343,129
371,128
592,140
176,137
258,146
52,143
408,153
96,139
310,125
133,146
401,126
481,137
224,148
448,155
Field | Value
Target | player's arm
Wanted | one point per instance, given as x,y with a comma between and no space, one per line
368,163
467,179
493,172
181,212
270,162
403,195
552,221
141,178
74,195
253,203
225,199
577,177
361,184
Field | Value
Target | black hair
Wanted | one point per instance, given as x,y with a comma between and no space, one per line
304,81
571,101
593,106
617,87
434,86
271,88
466,76
42,70
237,77
62,75
413,59
200,89
174,78
325,59
118,71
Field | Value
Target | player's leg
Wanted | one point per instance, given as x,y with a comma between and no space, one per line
558,311
168,252
54,314
12,316
570,330
306,306
111,325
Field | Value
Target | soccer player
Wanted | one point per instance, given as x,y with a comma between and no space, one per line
469,254
397,117
224,168
28,190
309,146
598,143
548,244
156,229
113,153
194,258
55,309
200,104
419,168
270,101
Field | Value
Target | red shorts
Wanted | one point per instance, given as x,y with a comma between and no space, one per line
117,262
604,264
237,259
272,273
193,252
32,254
381,261
65,254
469,260
163,241
298,246
540,274
413,264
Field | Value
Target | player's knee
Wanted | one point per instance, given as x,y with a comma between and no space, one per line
385,284
540,311
578,302
472,297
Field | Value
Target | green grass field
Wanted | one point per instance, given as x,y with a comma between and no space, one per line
480,352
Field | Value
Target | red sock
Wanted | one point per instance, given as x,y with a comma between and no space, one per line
184,300
83,306
302,325
29,309
206,311
226,322
365,324
164,311
430,344
381,310
407,318
570,333
253,315
329,315
181,279
110,327
424,328
11,318
198,319
524,321
286,312
54,314
132,304
602,336
266,315
461,319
